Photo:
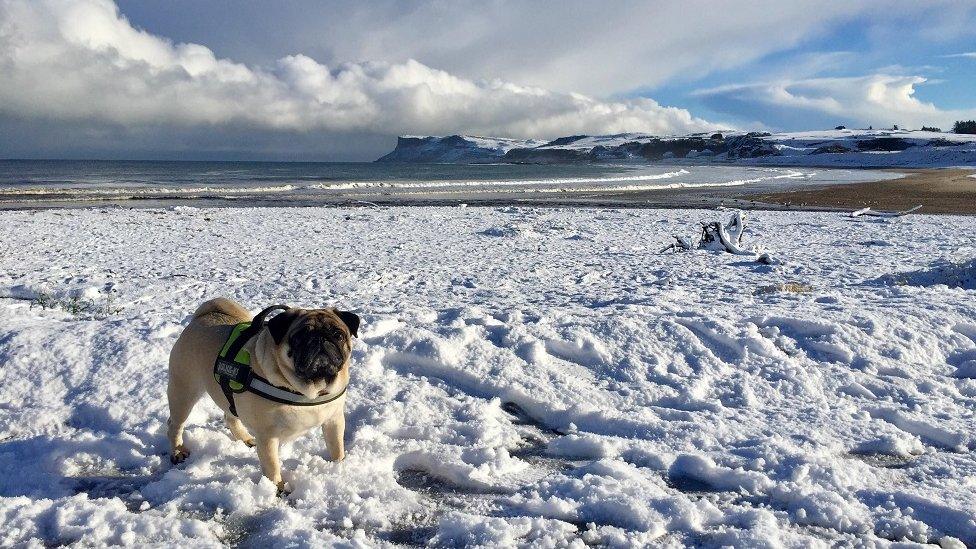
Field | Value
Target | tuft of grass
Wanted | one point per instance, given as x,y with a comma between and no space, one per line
75,305
787,288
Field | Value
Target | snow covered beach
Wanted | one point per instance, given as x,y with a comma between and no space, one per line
524,376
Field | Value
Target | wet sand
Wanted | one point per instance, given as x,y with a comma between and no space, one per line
939,191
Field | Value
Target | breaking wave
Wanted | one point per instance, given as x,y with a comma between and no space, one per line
364,181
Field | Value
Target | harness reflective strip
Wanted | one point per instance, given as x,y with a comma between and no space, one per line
240,366
269,391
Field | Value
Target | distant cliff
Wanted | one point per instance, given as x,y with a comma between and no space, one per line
453,149
850,148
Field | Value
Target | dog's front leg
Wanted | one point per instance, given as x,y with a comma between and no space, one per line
237,430
333,430
270,464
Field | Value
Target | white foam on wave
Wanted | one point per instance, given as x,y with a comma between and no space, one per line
123,192
567,184
489,184
618,183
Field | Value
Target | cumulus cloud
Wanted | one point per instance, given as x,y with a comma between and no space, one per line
597,48
81,61
875,99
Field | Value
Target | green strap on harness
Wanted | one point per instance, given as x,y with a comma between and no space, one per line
243,357
232,369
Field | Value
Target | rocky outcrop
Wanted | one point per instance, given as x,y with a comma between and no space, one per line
568,140
659,149
749,146
831,148
648,149
540,155
451,149
883,144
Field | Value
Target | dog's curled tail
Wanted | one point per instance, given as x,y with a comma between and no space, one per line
223,306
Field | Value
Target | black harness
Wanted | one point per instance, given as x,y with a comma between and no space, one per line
234,375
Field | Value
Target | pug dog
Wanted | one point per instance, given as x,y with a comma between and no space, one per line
304,352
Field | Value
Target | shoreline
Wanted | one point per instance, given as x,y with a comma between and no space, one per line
938,190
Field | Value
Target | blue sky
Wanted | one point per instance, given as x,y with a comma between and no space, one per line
854,48
329,80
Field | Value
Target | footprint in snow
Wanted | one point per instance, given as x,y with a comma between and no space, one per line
797,337
114,484
447,496
964,360
723,347
585,352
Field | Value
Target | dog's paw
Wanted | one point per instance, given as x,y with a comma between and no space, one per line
179,455
283,490
250,443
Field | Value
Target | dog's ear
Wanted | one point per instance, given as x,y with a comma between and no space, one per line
278,325
351,320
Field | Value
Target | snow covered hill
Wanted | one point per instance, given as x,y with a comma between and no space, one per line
841,148
524,378
454,149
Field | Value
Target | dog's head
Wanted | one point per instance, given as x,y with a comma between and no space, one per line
312,348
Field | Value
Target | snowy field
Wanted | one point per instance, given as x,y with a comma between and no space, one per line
524,377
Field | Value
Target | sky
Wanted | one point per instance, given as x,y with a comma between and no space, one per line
327,80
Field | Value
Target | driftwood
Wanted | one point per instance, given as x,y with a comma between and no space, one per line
715,236
724,238
868,212
680,244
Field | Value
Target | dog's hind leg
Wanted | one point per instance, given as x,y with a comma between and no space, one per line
237,430
181,401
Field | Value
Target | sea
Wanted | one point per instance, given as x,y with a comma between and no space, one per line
67,183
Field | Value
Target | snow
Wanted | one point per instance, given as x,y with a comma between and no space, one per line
523,377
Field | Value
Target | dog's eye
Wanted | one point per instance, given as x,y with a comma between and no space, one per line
289,352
